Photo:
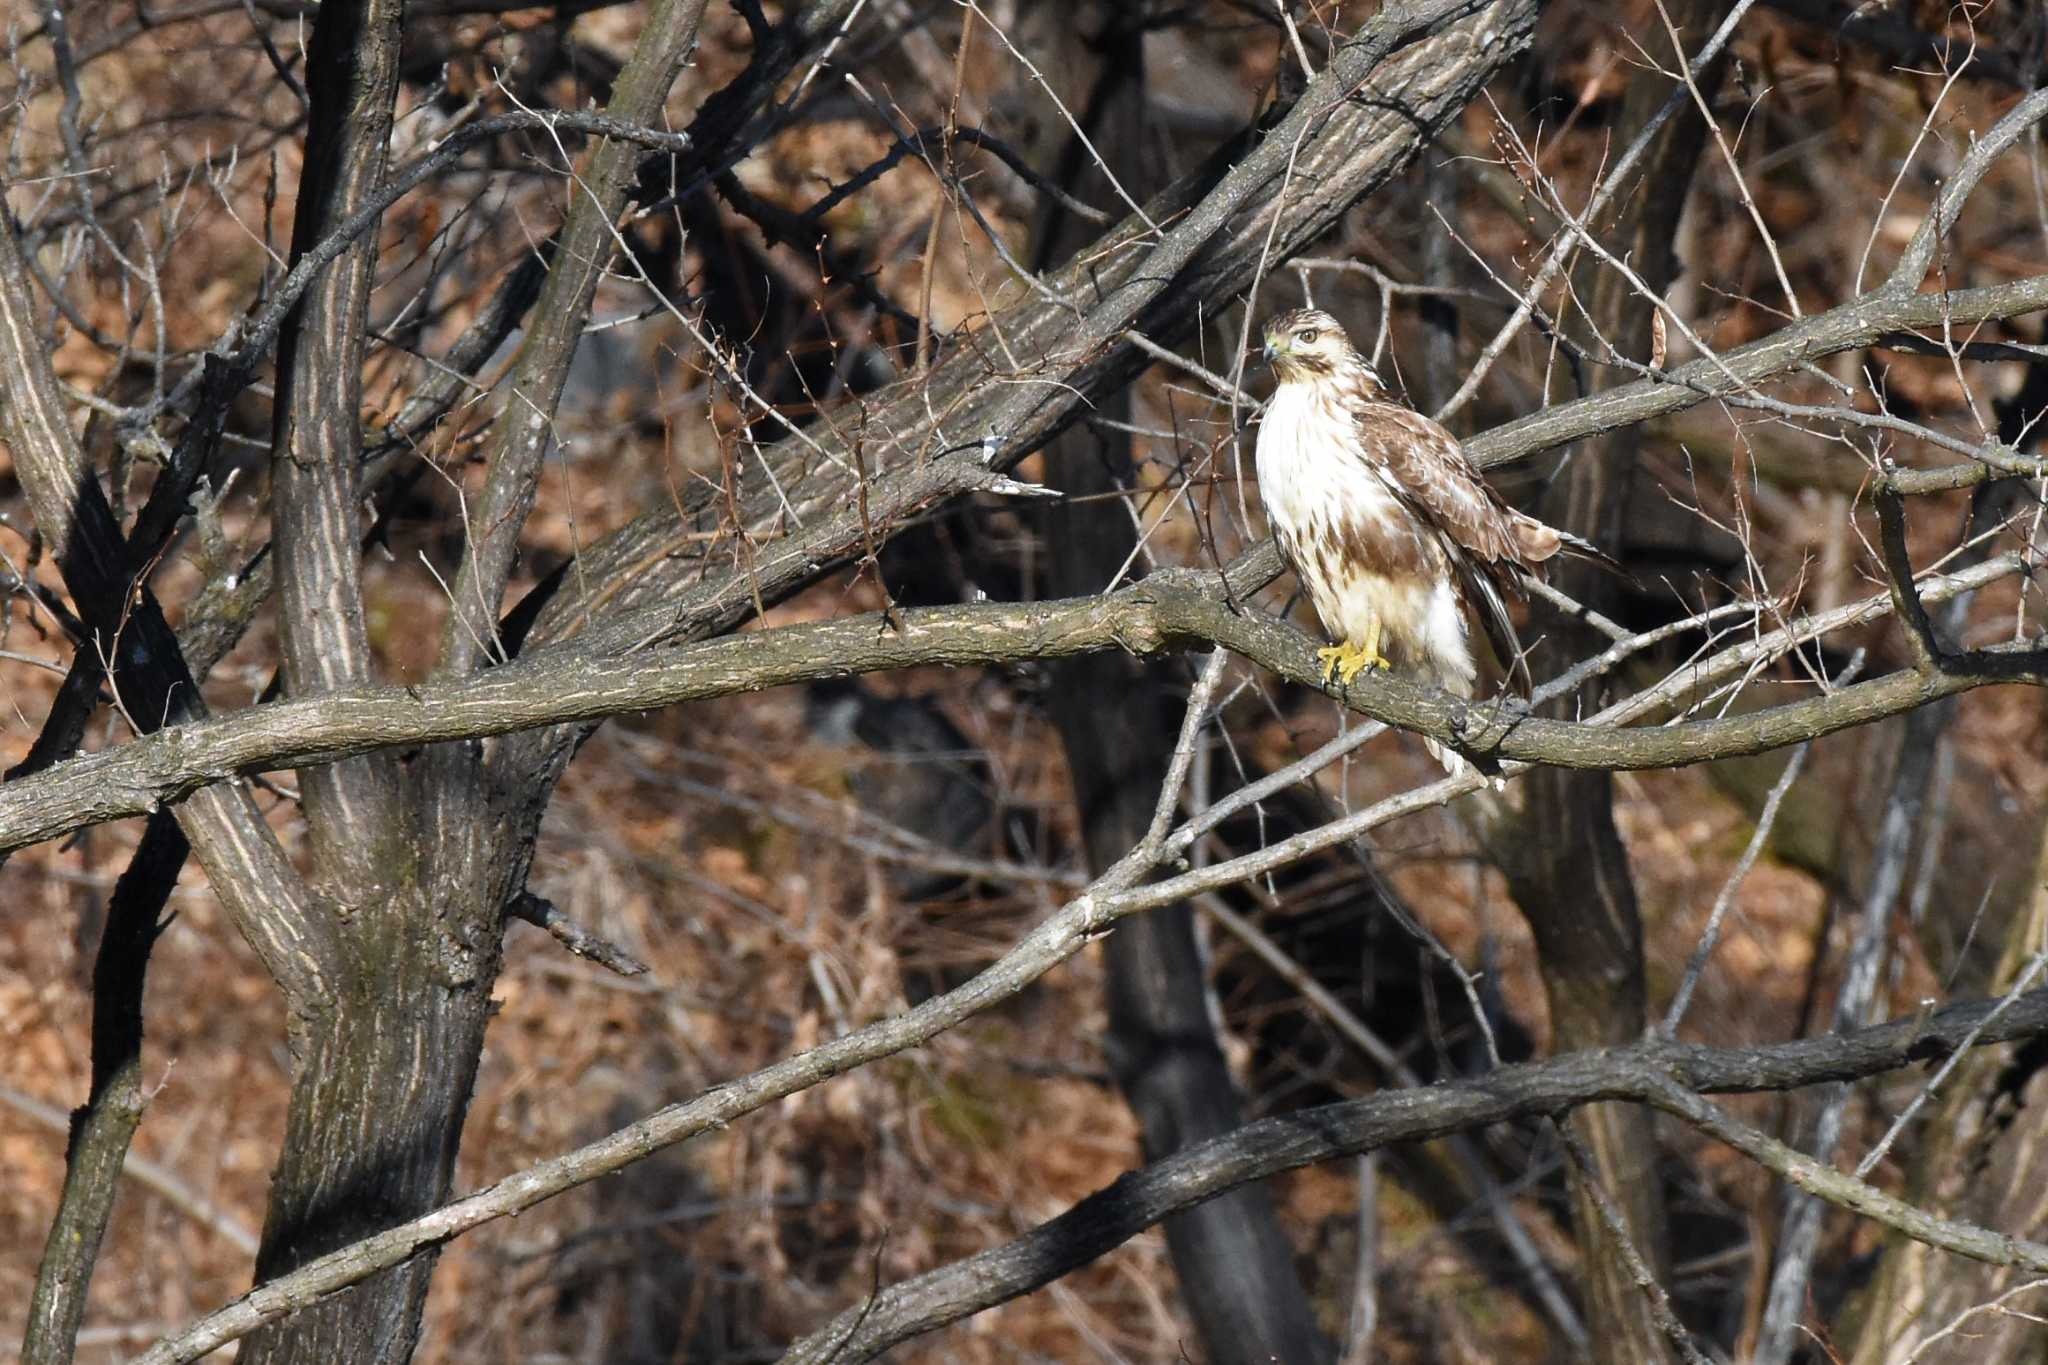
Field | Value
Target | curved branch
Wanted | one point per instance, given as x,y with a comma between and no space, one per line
1173,609
263,892
1647,1072
541,370
1669,1076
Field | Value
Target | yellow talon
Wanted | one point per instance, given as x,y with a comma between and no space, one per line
1348,660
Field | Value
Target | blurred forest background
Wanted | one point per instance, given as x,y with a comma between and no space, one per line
792,864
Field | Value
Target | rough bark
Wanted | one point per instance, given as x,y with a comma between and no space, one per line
316,445
373,1114
1115,719
410,861
378,1098
1568,869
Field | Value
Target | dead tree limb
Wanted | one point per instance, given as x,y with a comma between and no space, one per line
1647,1072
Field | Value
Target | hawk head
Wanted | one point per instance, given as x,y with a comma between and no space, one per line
1307,345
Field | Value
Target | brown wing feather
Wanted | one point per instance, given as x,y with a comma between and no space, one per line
1430,469
1491,546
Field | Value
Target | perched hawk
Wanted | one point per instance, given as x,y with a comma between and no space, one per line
1385,521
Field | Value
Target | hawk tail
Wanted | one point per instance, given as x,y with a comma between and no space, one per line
1484,585
1456,764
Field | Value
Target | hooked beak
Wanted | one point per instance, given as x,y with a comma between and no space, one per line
1269,353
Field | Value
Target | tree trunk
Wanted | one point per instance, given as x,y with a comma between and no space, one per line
386,1057
1567,867
1978,1160
1117,724
377,1106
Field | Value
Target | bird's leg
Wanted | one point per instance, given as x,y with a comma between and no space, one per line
1348,660
1371,656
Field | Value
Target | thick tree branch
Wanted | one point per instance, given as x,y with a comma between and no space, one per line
1172,609
1001,391
316,443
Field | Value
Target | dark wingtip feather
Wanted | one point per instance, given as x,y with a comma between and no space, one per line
1579,548
1484,587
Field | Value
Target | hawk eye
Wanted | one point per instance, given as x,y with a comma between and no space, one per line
1307,336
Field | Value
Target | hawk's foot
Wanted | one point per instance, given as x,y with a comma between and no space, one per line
1347,661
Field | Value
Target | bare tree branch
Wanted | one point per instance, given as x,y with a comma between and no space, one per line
1670,1076
103,1127
1848,327
523,437
1171,609
573,936
1001,391
1652,1072
316,441
257,882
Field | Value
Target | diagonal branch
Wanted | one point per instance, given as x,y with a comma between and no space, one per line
255,879
1002,391
1651,1072
1940,221
1666,1075
1859,323
585,246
